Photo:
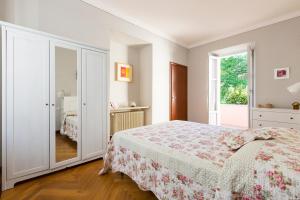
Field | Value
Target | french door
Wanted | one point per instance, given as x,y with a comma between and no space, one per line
215,86
214,90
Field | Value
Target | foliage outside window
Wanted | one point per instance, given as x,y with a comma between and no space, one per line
234,80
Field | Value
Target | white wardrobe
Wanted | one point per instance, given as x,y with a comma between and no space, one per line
54,103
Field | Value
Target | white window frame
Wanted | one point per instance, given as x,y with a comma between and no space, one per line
214,114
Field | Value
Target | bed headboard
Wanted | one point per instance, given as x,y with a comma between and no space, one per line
70,104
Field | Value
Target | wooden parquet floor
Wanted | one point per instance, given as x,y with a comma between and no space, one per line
78,183
65,148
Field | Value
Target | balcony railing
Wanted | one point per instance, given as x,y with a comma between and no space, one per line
234,115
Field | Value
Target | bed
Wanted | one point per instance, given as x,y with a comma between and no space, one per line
186,160
69,125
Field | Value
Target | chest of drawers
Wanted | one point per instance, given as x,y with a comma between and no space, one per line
263,117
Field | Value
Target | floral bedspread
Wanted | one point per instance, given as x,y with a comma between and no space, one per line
185,160
277,168
70,127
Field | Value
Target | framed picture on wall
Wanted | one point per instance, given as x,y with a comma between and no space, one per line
123,72
281,73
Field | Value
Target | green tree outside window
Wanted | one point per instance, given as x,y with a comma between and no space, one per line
234,80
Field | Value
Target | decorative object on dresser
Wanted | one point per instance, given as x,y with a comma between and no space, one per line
296,105
113,105
133,104
54,103
266,117
268,105
127,117
295,90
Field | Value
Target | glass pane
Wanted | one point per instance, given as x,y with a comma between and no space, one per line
66,103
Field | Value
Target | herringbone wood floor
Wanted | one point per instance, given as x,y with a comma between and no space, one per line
65,148
78,183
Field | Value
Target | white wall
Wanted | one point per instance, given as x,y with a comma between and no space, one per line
123,93
140,89
2,11
161,78
27,12
134,94
118,90
146,83
82,22
7,10
65,71
276,46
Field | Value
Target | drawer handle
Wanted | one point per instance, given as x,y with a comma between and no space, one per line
260,125
260,115
291,117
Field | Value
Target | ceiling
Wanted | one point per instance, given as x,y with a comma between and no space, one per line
194,22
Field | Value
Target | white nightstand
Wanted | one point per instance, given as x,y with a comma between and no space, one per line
271,117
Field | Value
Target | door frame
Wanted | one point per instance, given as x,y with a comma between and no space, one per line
170,90
248,48
251,81
218,88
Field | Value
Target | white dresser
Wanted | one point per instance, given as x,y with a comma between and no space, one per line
271,117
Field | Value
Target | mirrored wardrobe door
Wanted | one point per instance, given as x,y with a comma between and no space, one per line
65,103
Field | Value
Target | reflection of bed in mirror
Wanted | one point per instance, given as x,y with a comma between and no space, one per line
66,108
69,124
67,128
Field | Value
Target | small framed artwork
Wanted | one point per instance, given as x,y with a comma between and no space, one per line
282,73
123,72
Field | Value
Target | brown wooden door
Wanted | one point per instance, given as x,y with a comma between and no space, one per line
178,96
